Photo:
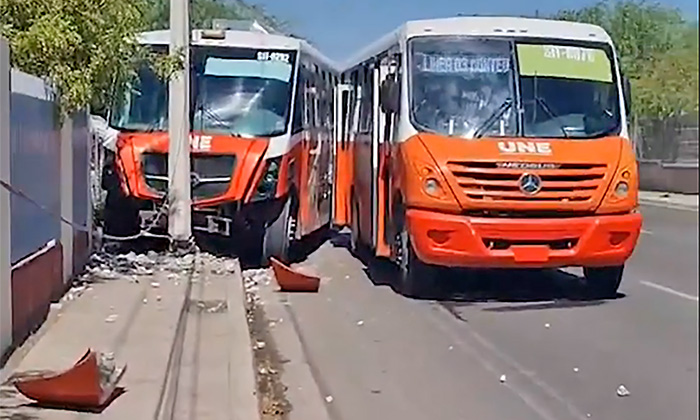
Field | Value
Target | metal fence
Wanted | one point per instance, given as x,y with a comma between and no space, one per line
670,140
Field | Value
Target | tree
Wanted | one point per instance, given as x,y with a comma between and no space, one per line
85,48
658,50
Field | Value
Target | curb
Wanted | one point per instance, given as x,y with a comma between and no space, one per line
667,204
243,402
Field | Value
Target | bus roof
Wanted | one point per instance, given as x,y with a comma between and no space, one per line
484,26
244,39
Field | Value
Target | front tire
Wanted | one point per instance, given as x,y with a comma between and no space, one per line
603,282
278,236
418,279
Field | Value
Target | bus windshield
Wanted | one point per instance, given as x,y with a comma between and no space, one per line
474,87
242,92
144,107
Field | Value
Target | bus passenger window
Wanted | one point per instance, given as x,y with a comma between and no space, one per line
366,102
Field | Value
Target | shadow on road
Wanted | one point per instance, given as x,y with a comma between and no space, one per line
249,256
544,289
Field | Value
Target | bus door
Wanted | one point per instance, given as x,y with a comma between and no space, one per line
386,132
364,156
341,154
325,162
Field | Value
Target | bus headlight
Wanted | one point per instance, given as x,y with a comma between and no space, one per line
267,185
622,189
432,187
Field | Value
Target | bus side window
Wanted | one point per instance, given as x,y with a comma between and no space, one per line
366,103
297,117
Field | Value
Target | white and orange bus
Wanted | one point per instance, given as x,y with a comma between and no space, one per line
262,126
492,142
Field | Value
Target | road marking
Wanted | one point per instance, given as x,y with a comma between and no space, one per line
648,232
483,345
669,290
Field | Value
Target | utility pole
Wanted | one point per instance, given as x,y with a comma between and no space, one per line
179,191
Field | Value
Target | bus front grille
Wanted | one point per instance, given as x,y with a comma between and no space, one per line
210,174
487,181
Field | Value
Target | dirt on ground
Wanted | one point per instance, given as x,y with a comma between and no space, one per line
271,390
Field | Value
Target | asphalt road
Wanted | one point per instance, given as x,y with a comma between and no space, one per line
501,345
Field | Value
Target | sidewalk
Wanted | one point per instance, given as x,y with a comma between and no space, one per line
179,325
681,201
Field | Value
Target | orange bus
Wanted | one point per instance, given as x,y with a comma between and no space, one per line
493,143
262,126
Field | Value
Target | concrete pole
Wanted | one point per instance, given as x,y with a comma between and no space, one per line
179,200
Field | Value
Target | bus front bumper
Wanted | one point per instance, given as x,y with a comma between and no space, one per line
462,241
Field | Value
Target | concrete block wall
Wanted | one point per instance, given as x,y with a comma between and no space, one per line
48,162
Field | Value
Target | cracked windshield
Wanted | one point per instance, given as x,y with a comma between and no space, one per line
240,92
468,87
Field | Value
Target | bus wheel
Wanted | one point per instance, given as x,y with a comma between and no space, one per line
278,236
603,282
418,279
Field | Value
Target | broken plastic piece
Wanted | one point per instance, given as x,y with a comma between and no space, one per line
293,281
90,384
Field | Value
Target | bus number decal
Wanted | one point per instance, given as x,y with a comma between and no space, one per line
273,56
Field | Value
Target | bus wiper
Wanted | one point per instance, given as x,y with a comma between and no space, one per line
552,115
495,115
217,119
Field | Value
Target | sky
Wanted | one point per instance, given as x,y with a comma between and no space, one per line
339,28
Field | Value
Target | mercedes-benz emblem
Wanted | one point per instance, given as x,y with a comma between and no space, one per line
530,184
194,179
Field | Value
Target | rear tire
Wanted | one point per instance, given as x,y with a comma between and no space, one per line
278,236
418,279
603,282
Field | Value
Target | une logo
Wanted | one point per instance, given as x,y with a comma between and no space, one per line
525,147
198,142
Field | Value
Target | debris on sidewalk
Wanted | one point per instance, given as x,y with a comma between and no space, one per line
268,364
502,379
89,384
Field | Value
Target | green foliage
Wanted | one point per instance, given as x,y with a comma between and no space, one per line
83,47
658,51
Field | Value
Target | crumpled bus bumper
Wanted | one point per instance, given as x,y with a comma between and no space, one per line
463,241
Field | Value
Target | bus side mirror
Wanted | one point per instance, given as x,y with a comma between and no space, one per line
389,96
627,93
